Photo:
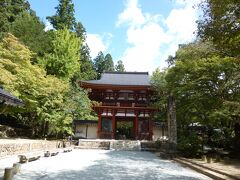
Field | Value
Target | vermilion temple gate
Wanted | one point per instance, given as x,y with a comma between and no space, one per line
121,96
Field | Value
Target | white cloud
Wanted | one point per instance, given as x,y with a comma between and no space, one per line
48,26
98,43
132,14
149,34
181,23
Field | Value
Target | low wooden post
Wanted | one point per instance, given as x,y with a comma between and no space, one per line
8,173
204,158
209,159
16,168
218,158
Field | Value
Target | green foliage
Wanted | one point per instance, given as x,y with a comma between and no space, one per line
80,31
64,17
189,143
78,104
29,29
161,93
64,60
205,85
119,67
103,64
99,64
108,63
40,93
87,71
220,24
9,10
51,102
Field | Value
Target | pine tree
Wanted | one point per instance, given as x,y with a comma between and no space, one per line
64,16
108,63
119,67
30,30
9,10
99,64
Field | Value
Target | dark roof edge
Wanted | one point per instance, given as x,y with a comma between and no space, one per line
79,121
117,85
115,72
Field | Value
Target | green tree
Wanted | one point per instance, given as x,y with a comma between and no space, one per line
161,93
41,93
205,86
204,83
64,60
9,10
108,63
220,24
87,70
50,103
78,104
64,16
81,31
119,67
99,64
30,30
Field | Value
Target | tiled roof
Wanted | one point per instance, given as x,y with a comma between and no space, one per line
123,78
7,98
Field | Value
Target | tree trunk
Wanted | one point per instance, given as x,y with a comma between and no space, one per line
172,123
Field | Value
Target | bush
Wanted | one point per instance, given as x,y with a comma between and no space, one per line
189,144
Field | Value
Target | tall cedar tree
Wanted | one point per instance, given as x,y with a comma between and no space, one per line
64,16
119,67
87,71
99,64
29,29
108,63
9,10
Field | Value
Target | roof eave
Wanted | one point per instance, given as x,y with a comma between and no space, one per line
112,86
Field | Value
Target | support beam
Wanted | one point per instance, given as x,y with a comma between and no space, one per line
136,125
150,128
113,125
99,125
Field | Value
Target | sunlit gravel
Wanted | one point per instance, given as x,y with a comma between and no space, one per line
105,165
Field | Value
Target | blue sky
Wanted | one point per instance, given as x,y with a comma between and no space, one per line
142,33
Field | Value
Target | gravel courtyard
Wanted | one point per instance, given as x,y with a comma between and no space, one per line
105,165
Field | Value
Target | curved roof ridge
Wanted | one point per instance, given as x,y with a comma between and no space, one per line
123,79
125,72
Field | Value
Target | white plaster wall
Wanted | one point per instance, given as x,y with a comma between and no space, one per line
91,132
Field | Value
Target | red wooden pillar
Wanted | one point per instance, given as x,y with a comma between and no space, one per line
150,128
113,125
136,125
99,125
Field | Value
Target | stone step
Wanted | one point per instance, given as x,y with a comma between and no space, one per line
203,170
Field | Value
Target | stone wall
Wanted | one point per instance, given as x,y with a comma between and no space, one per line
15,147
126,145
93,144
